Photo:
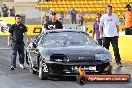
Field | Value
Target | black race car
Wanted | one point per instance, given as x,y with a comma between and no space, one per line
61,52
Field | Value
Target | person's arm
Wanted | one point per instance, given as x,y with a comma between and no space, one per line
101,31
10,36
9,39
101,26
25,35
117,28
117,24
46,26
26,38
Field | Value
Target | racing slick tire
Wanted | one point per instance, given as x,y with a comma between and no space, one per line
42,75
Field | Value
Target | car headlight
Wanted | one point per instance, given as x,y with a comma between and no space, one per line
103,57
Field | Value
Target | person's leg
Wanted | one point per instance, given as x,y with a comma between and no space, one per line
21,53
71,20
114,42
14,55
75,21
106,42
99,41
127,31
130,31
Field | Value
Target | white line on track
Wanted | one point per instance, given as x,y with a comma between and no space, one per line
4,48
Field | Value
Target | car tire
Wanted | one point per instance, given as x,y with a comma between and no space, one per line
109,72
42,76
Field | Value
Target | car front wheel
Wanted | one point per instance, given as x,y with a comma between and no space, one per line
42,75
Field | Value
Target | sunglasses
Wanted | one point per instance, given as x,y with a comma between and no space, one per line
18,18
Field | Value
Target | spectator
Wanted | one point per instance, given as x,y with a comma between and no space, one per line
81,19
53,23
128,20
16,32
62,15
73,14
5,10
46,18
95,29
12,12
109,31
50,14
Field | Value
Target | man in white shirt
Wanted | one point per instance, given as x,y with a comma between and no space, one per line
109,31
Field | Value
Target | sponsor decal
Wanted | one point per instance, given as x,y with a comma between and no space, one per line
83,78
45,68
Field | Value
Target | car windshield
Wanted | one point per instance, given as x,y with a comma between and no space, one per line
67,39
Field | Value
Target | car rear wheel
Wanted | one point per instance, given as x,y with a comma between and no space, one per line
42,76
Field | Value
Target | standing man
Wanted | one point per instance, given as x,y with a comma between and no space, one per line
50,13
128,20
5,10
95,29
53,23
12,12
109,31
16,33
73,14
81,18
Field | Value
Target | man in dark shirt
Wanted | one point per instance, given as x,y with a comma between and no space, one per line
16,32
53,23
5,10
73,14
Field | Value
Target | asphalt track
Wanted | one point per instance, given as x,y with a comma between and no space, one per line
24,79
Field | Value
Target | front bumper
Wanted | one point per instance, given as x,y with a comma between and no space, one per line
71,69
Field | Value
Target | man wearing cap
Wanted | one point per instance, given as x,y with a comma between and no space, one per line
53,23
128,20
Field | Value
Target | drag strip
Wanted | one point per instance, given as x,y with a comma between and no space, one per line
24,79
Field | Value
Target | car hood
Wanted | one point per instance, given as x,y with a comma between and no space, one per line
74,50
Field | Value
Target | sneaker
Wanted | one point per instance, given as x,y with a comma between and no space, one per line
12,68
22,66
119,65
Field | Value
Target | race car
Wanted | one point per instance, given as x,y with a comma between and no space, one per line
61,52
